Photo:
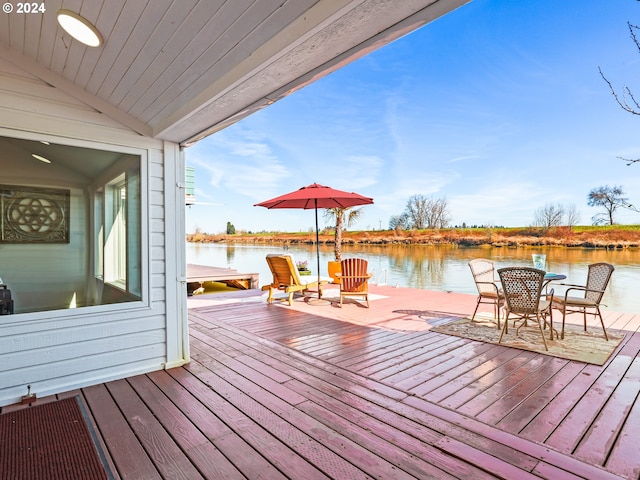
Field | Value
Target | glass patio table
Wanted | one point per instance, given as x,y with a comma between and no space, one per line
552,277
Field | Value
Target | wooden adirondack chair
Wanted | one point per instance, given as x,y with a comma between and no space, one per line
286,278
354,279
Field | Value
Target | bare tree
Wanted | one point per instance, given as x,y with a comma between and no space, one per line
426,212
416,211
438,213
571,215
399,222
627,100
609,198
549,216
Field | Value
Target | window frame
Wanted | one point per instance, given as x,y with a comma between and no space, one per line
142,153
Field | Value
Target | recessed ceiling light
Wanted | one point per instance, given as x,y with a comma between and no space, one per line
44,142
79,28
41,158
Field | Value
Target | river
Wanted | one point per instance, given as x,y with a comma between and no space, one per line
439,267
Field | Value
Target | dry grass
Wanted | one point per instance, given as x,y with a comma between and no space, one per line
627,236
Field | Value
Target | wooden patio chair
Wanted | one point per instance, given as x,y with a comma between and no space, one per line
483,272
522,287
588,296
286,278
354,279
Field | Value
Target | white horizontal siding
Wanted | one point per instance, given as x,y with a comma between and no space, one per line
76,372
64,349
52,349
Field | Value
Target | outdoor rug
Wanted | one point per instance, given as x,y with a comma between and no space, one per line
51,441
588,347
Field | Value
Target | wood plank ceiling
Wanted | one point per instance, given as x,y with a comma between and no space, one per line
181,70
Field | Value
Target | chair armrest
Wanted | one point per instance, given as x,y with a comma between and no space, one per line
582,289
493,284
366,276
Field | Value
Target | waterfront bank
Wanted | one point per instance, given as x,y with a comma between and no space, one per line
608,237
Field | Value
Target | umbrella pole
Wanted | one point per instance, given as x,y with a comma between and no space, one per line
315,200
319,300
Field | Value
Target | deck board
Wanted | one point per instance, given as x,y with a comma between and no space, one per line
232,445
344,398
512,400
417,378
524,393
599,440
623,458
454,381
126,452
260,404
252,427
531,407
586,409
206,458
167,456
275,392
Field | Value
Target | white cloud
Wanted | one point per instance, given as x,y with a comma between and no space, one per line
464,158
358,172
236,162
508,204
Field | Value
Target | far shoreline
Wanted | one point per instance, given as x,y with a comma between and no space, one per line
605,237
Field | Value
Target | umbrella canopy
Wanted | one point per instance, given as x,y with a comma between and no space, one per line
316,196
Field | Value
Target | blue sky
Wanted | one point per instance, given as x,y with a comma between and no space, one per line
498,107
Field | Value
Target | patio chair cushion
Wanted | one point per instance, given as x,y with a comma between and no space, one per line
575,301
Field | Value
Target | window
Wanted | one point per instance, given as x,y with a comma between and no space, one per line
100,261
115,247
117,217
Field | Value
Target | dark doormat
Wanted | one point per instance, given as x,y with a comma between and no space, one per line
52,441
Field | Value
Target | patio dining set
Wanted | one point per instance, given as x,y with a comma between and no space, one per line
525,293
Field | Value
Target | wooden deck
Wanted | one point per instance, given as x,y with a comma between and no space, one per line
197,275
321,392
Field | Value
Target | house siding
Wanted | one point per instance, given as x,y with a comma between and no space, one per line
63,349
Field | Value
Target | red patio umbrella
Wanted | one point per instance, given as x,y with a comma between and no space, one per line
316,196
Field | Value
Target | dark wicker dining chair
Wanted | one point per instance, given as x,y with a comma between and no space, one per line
580,299
522,287
483,272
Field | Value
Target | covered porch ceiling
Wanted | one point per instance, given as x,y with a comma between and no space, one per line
182,70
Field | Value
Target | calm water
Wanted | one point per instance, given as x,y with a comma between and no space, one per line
441,267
